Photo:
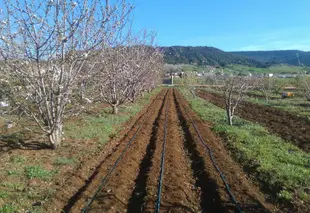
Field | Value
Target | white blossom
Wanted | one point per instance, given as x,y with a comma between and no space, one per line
74,4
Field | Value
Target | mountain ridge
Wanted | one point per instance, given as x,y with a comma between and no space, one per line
278,56
205,55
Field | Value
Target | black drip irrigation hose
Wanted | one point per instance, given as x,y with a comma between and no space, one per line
162,163
104,180
232,197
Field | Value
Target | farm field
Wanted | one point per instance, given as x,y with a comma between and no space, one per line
244,69
279,167
193,187
275,69
124,106
290,127
78,180
32,174
296,105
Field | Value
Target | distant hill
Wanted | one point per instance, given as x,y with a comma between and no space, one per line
277,56
205,56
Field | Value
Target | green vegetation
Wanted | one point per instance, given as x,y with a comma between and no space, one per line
13,172
104,125
213,56
8,208
24,178
18,187
278,165
238,69
3,194
65,161
205,56
17,159
279,56
37,172
296,105
275,69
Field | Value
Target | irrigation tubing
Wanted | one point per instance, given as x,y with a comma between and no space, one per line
104,180
232,197
162,163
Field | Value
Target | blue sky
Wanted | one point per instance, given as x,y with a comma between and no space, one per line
230,25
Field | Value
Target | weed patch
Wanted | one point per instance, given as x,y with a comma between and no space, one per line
3,194
65,161
8,208
37,172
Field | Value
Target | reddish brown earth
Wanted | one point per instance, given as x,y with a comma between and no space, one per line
71,185
290,127
190,182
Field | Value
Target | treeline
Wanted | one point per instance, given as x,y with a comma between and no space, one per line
205,56
278,56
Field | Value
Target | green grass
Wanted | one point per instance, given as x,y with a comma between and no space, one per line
25,178
275,69
296,105
279,165
18,187
279,69
17,159
3,194
104,125
65,161
13,172
8,208
37,172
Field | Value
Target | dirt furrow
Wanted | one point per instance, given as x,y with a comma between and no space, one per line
190,182
136,202
179,193
153,174
115,194
247,194
290,127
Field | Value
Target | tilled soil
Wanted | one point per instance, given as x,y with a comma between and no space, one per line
179,193
113,197
290,127
190,182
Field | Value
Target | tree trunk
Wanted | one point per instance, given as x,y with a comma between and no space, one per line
267,99
229,117
115,109
56,136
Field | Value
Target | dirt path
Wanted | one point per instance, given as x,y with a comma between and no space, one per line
290,127
190,183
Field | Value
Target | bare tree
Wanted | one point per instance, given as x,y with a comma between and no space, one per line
45,46
304,80
234,90
190,80
305,86
265,85
127,70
